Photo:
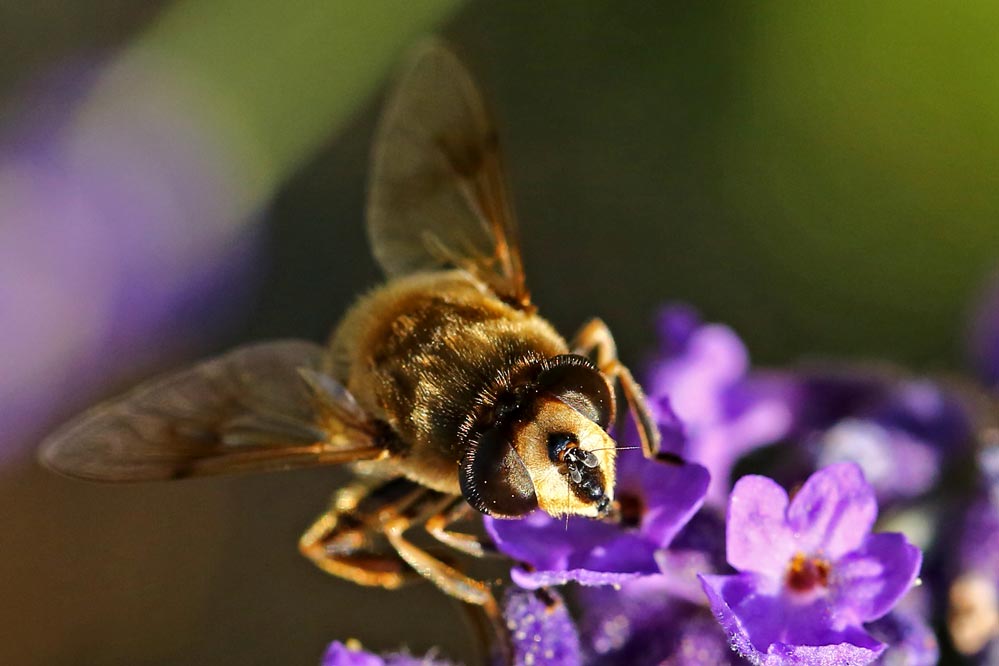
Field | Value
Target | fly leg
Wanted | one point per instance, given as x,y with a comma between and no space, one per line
444,576
452,581
485,619
343,541
438,526
594,336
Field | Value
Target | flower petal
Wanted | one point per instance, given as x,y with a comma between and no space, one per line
833,512
699,548
712,360
869,581
760,626
673,494
672,431
623,557
676,322
533,580
771,630
587,551
757,536
547,543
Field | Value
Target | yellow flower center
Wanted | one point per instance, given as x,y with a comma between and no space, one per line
806,573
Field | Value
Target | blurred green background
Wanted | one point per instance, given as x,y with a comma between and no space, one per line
823,177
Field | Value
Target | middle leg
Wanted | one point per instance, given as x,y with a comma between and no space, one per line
474,593
439,524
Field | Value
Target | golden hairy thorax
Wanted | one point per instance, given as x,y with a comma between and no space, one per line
419,352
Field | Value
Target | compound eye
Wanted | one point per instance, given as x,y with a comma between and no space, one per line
575,381
493,478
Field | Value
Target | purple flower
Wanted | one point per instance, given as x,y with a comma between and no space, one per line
641,624
901,431
119,224
811,573
701,377
655,501
339,654
540,629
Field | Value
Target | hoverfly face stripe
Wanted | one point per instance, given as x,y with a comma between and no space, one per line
569,457
581,466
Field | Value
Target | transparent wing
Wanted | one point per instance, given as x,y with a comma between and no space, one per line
436,195
261,407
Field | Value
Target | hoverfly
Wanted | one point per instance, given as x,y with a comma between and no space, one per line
443,387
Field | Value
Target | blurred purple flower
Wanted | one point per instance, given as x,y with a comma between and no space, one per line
978,546
542,632
973,603
655,501
699,548
118,212
983,342
909,639
338,654
641,624
988,465
701,379
55,283
901,431
811,573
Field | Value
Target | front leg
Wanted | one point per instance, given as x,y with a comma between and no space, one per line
439,524
452,581
596,337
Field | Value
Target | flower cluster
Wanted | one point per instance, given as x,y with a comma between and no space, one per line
700,385
794,532
540,633
902,431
